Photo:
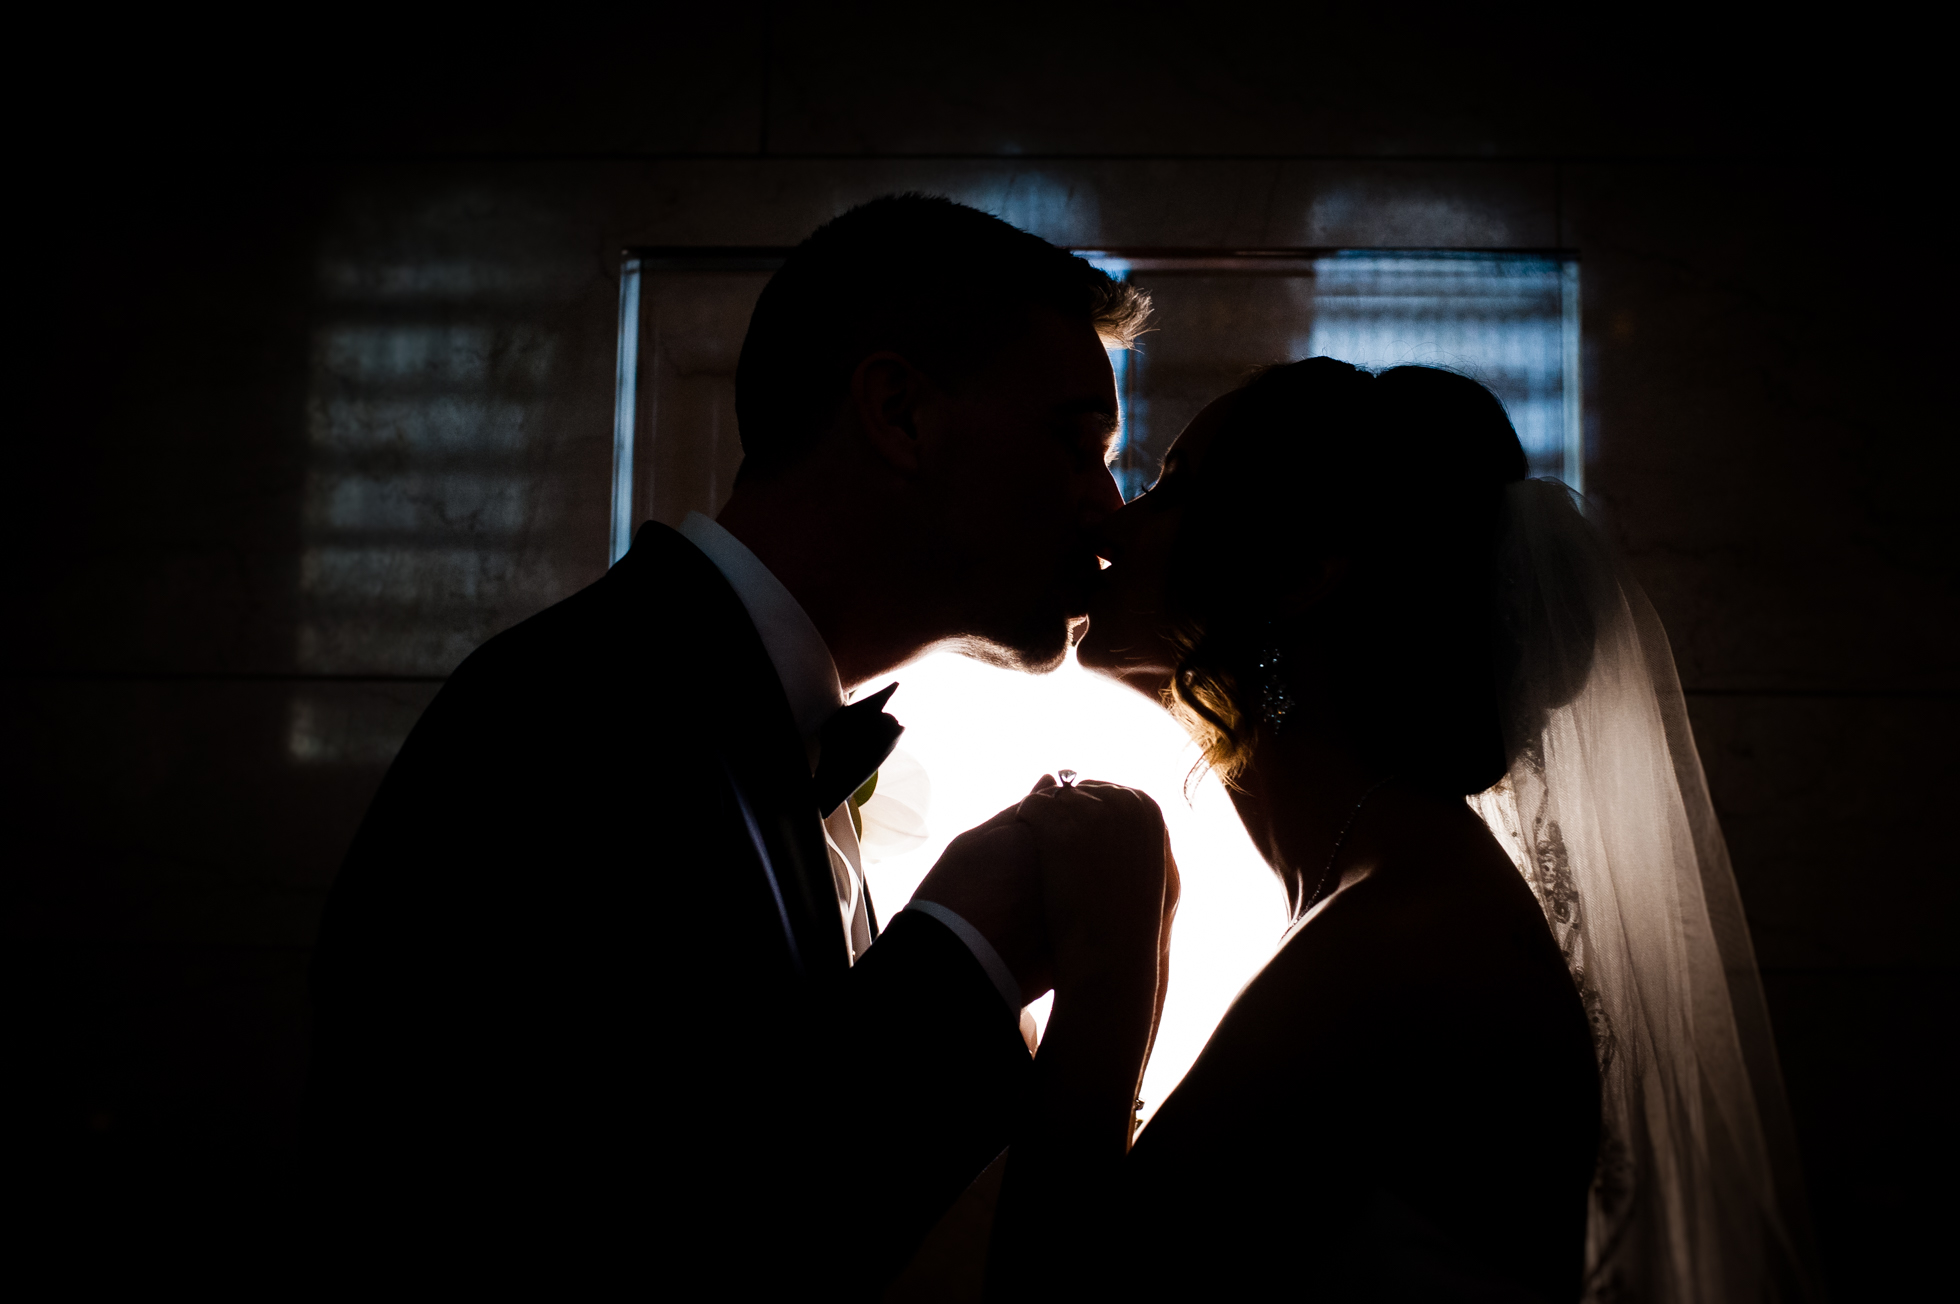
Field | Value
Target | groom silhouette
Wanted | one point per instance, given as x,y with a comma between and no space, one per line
599,988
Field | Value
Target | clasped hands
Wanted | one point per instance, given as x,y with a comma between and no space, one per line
1075,887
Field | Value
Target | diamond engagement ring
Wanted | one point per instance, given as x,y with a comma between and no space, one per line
1067,777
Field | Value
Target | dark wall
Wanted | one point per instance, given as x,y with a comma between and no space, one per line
241,259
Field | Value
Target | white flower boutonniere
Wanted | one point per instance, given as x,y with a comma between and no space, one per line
889,811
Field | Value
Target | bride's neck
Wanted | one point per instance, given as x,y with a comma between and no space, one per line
1295,797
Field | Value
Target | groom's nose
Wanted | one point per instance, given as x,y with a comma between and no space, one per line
1103,499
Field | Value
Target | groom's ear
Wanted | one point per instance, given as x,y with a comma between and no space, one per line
886,392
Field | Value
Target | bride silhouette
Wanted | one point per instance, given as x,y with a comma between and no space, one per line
1510,1048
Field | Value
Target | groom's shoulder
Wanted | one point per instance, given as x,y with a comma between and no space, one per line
662,601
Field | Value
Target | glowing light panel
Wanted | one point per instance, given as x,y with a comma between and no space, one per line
984,735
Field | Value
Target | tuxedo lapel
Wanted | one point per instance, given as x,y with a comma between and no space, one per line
554,980
702,636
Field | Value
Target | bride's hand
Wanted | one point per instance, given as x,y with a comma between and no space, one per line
1109,885
1109,892
1109,888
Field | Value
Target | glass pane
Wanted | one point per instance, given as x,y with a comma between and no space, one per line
1497,317
1216,320
1509,320
676,447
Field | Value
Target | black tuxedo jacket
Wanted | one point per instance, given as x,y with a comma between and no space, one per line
582,990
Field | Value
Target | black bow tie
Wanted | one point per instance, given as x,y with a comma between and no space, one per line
852,744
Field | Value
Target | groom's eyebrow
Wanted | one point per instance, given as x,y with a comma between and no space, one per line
1094,407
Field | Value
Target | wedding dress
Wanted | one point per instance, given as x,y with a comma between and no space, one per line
1605,810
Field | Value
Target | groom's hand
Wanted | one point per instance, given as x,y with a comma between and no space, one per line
990,876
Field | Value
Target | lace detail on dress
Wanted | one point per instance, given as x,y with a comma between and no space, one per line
1542,859
1549,873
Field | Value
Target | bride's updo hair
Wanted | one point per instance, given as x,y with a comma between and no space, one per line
1398,479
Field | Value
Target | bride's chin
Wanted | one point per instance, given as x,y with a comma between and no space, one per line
1081,637
1092,653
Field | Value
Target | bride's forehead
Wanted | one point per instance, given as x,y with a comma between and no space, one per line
1189,447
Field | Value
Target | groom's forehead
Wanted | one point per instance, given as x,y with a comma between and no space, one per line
1062,364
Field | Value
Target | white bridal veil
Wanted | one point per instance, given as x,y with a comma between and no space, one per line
1697,1197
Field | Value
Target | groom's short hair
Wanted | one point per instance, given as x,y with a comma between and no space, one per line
937,282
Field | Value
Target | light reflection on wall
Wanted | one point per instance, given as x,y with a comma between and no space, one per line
420,488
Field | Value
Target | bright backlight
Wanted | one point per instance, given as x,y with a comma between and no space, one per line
984,735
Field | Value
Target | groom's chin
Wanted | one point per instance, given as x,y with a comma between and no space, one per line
1036,651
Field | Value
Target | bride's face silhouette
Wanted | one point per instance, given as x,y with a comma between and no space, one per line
1129,638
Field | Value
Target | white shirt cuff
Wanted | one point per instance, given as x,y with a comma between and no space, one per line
983,950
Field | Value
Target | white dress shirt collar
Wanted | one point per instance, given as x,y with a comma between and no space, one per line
809,677
803,662
801,657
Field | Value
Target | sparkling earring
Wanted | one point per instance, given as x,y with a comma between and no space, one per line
1274,700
